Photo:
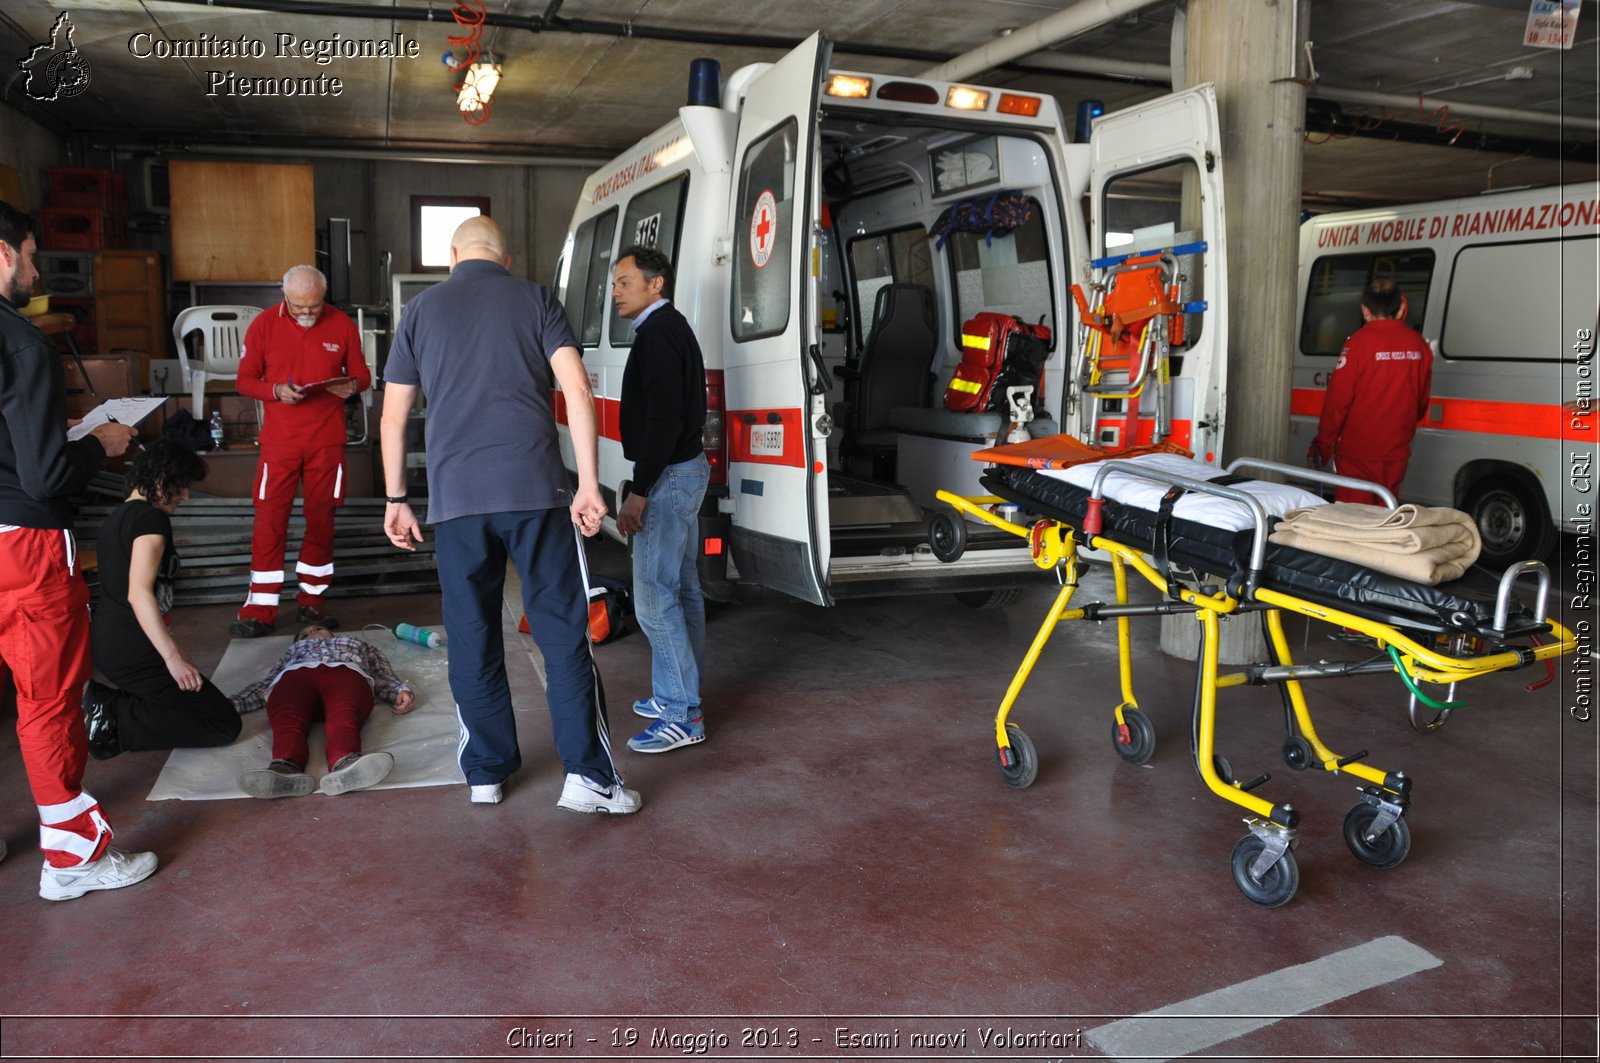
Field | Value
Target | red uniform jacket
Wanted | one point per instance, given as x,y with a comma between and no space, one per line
277,350
1378,392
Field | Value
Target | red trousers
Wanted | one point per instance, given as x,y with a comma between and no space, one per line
44,640
1387,473
279,472
340,697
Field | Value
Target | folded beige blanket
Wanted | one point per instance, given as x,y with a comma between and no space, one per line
1425,544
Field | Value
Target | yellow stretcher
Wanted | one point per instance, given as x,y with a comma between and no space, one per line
1263,862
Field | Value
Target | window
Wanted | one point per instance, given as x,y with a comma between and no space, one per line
1333,294
1008,273
433,222
1523,301
763,228
900,257
1155,209
653,219
589,276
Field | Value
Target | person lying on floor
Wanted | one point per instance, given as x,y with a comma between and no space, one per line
160,700
336,678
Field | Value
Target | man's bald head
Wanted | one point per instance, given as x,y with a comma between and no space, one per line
479,237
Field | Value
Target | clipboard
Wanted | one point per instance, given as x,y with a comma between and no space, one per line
124,411
319,386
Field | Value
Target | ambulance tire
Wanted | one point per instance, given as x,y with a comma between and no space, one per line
989,599
1512,521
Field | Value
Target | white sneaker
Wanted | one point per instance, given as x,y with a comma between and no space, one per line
357,771
486,795
582,794
114,870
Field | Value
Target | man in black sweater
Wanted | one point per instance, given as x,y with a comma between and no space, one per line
44,602
663,419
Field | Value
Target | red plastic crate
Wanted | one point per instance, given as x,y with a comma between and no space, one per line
86,189
72,229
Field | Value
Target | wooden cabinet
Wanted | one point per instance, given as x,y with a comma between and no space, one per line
130,308
110,376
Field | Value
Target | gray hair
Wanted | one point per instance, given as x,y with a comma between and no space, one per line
304,276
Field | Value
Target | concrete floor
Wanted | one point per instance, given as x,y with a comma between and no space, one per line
841,853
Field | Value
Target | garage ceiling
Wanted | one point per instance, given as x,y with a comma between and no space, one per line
586,78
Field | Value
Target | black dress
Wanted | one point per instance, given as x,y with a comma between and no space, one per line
152,711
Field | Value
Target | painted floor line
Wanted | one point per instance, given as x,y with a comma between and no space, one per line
1198,1023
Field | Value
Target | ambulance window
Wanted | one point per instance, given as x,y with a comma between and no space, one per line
653,219
1008,273
1157,209
1333,294
589,276
1526,301
763,222
900,257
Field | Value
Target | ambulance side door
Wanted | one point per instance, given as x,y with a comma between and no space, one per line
1174,140
777,461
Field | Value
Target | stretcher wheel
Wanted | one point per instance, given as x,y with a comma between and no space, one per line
1276,886
1384,851
947,536
1135,738
1297,753
1024,759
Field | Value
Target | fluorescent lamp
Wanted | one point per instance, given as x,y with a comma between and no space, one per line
477,88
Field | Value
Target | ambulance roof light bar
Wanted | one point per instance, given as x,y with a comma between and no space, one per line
849,86
964,98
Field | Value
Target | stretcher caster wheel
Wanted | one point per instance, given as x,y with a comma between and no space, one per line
1276,886
1135,738
1384,851
1297,753
1019,761
947,536
1224,770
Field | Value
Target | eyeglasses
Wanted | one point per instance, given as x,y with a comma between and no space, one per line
303,308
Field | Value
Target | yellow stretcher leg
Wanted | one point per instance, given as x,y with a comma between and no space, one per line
1058,613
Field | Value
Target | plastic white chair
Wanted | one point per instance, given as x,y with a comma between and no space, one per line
217,349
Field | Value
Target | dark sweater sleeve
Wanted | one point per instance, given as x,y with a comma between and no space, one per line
32,404
664,362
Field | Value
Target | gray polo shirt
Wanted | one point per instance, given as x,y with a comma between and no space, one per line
479,345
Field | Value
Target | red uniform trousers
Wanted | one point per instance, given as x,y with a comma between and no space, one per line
1387,473
341,697
280,470
44,640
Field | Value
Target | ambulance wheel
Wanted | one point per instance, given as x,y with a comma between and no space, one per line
1297,753
989,599
1277,886
1024,766
947,536
1385,851
1135,738
1511,520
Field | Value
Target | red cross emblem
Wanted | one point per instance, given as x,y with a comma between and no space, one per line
763,228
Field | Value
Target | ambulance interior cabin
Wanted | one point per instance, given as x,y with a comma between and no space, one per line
928,227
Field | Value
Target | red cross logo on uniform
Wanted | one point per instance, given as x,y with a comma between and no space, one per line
763,228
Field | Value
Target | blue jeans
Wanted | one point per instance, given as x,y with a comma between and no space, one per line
666,587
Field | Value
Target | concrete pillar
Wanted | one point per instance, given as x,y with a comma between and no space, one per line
1250,50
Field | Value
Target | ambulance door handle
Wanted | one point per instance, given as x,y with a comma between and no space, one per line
821,382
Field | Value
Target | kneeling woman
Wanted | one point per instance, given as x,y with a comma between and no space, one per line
164,702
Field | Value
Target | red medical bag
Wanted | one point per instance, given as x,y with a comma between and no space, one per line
997,351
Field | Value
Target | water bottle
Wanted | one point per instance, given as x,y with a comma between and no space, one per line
216,430
420,635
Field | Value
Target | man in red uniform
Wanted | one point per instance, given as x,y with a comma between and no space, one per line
1378,392
44,603
290,352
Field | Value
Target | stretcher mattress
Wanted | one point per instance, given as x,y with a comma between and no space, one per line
1466,605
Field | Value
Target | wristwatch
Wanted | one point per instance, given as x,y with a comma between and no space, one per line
398,500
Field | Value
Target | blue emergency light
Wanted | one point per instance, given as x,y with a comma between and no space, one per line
1088,111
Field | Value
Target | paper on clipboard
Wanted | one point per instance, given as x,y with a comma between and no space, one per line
123,411
323,385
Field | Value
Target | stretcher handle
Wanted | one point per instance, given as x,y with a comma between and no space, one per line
1258,542
1297,472
1502,598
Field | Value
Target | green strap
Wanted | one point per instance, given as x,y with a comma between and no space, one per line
1411,685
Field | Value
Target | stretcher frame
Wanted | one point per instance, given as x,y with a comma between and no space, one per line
1263,862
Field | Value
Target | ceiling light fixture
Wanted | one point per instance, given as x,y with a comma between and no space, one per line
477,89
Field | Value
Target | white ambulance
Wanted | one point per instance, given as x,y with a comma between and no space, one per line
821,224
1504,286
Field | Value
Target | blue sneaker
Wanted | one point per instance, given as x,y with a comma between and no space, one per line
647,708
661,736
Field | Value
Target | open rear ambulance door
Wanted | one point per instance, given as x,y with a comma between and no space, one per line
777,463
1171,149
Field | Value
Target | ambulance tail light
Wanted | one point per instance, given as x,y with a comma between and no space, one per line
963,98
713,438
908,92
853,88
1011,103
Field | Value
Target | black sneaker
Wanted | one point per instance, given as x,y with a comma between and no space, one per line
310,614
100,721
245,628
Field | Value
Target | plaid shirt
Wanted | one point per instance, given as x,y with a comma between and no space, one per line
340,651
